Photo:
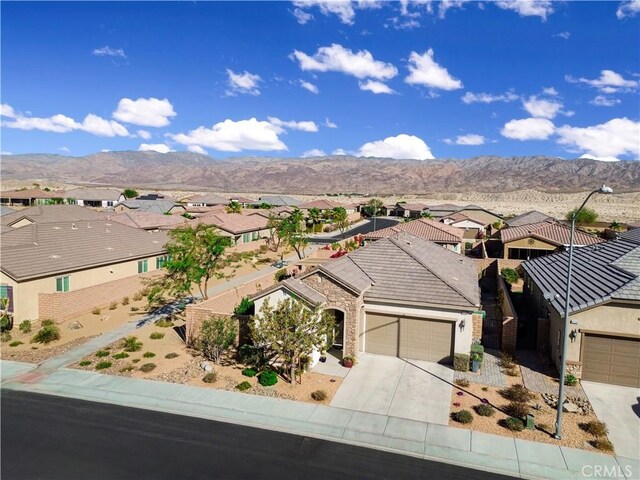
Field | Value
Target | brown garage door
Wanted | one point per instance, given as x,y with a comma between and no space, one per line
608,359
419,339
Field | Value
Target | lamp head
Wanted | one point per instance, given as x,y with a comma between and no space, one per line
604,189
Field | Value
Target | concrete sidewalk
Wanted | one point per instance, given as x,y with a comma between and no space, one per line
515,457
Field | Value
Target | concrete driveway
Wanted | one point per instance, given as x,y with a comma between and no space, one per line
412,389
619,408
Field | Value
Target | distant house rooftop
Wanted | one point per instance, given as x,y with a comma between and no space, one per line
532,216
94,194
234,223
322,204
49,214
550,231
424,228
207,199
146,220
279,200
156,206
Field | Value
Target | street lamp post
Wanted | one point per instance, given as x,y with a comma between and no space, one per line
563,360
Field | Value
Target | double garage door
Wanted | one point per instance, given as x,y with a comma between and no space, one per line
405,337
614,360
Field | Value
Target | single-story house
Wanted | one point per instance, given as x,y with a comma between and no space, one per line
206,200
49,214
95,197
409,210
267,212
244,201
472,211
161,206
30,197
242,228
146,220
442,210
471,226
527,218
542,238
326,205
279,201
401,296
59,270
603,336
445,235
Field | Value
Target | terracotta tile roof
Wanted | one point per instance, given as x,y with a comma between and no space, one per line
43,250
234,223
527,218
553,232
146,220
322,205
412,206
205,210
424,228
461,217
30,193
51,213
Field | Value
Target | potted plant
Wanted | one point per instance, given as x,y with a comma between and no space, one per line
475,362
348,361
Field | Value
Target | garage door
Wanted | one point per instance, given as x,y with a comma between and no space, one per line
418,339
614,360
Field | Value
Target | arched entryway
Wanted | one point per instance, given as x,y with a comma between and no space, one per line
335,344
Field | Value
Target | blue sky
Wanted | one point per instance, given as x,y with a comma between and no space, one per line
451,79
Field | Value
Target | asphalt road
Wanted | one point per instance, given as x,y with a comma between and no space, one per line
48,437
382,222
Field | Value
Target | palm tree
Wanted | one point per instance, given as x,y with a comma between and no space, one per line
314,215
426,214
234,207
373,208
615,225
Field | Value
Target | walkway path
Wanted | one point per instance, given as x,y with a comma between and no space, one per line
490,374
492,453
493,318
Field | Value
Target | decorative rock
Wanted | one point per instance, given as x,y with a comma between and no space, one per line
570,407
206,366
104,318
76,325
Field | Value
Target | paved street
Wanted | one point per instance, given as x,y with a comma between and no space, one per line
49,437
382,222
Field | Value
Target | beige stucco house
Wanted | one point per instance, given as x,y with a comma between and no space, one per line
243,229
447,236
604,331
399,296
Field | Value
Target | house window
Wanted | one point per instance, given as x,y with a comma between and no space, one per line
143,266
255,236
6,291
62,284
246,238
161,261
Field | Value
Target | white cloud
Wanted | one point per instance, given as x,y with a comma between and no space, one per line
64,149
342,8
423,70
104,128
468,139
402,23
314,152
144,134
541,108
608,82
232,136
281,125
243,83
197,149
444,5
528,129
550,91
470,97
402,146
301,16
604,101
107,51
336,58
600,159
309,86
339,151
7,111
563,35
628,9
154,147
528,8
619,136
376,87
148,112
329,124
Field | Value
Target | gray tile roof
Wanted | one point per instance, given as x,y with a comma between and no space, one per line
43,250
306,292
409,269
279,200
631,235
532,216
51,213
94,194
208,199
155,206
602,272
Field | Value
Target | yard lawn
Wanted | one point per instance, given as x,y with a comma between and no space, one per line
572,434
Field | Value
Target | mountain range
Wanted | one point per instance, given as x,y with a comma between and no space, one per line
329,174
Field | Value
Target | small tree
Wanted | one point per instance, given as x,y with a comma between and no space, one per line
615,226
216,336
274,223
265,206
291,330
234,207
497,225
510,275
130,193
426,214
340,219
586,216
292,231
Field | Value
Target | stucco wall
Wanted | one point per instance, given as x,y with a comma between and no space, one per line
524,243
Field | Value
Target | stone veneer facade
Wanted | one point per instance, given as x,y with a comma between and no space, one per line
340,298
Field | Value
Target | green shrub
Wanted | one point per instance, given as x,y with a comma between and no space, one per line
96,311
134,309
484,410
245,307
243,386
517,393
128,368
462,382
15,343
595,428
102,365
113,305
510,275
517,409
148,354
102,353
570,380
5,336
602,444
47,334
249,372
125,301
281,275
252,356
268,378
164,323
156,336
463,416
121,355
137,297
25,326
5,323
147,367
461,362
85,363
319,395
131,344
172,355
135,360
46,322
210,377
513,424
478,350
485,389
